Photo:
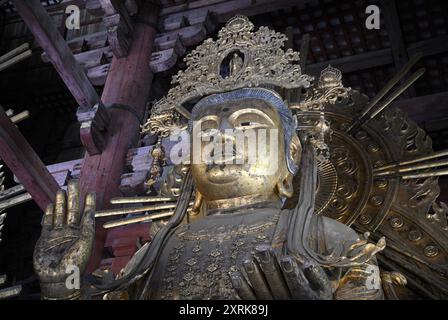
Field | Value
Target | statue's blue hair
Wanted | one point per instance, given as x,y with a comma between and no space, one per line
272,98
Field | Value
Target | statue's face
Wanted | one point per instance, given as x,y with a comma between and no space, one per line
240,172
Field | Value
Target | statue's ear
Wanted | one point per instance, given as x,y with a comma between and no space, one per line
198,200
197,210
295,149
285,187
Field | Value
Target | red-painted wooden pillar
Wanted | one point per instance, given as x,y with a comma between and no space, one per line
128,83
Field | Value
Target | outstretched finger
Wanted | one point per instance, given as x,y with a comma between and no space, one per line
296,280
268,263
358,244
82,248
90,202
88,218
60,209
257,280
241,286
368,251
73,203
319,279
88,222
47,219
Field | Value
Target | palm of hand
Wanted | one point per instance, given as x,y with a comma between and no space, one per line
67,236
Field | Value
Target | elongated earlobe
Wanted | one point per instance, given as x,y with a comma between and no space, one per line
285,187
295,149
198,199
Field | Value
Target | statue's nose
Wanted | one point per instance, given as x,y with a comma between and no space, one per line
225,125
226,130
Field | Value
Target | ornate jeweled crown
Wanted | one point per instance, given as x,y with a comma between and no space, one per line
328,90
330,77
239,58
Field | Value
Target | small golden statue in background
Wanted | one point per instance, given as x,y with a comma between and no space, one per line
236,64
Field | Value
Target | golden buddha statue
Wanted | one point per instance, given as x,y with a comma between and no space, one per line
240,240
244,238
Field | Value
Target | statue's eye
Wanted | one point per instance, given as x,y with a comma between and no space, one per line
209,132
251,125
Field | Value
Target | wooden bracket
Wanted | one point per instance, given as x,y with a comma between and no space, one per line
119,26
94,123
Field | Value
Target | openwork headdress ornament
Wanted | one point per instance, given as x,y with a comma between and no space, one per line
239,58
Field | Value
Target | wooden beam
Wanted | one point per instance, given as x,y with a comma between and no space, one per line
60,55
10,292
25,163
138,161
7,56
396,40
162,58
85,43
16,200
94,119
392,23
354,63
12,16
190,5
169,46
380,57
429,47
16,59
11,192
223,10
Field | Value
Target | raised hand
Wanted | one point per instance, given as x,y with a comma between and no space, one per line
290,277
65,243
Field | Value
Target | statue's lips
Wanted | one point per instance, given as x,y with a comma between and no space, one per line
228,159
223,173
